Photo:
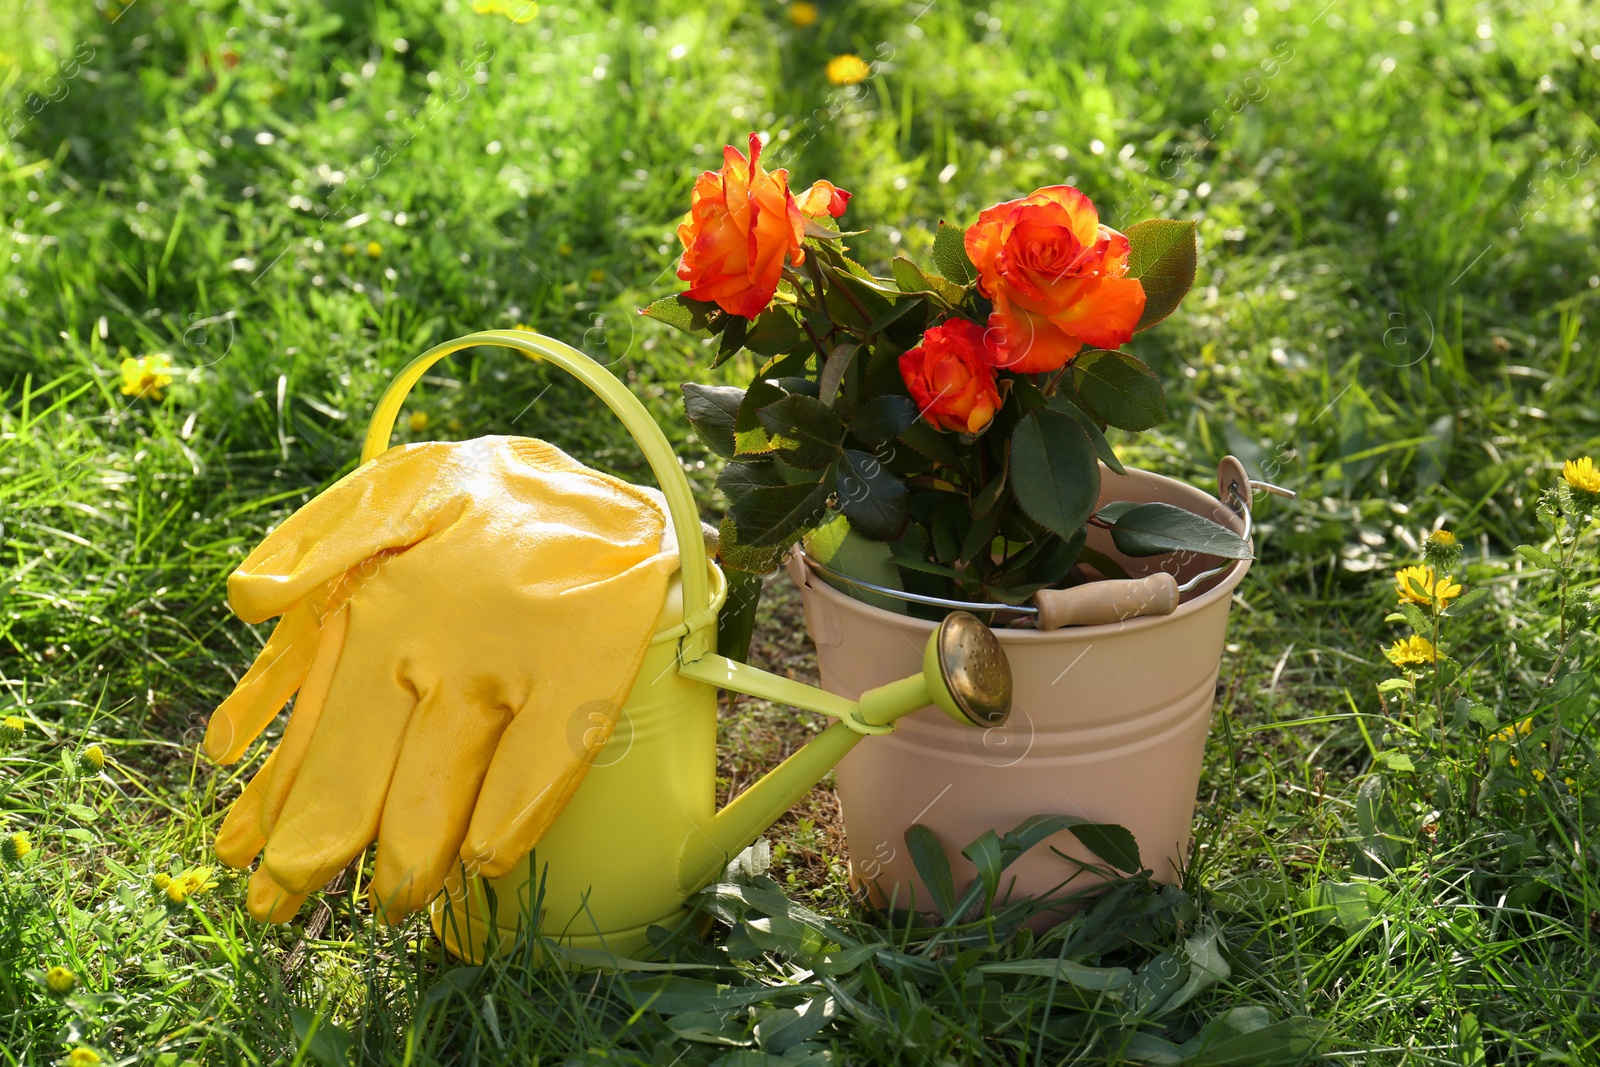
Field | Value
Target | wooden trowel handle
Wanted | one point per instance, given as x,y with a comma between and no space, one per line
1109,600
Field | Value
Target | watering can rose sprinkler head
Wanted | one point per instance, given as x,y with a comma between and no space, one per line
967,672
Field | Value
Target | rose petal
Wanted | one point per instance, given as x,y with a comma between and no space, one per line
1105,311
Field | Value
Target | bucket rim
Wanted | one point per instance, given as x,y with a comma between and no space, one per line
805,576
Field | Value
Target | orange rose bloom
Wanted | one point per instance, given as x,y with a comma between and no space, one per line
1056,278
950,377
743,224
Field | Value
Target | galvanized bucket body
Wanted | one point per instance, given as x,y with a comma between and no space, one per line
1108,723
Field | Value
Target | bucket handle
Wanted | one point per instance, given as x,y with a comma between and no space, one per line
699,617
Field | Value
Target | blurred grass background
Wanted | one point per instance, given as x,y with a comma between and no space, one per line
1394,315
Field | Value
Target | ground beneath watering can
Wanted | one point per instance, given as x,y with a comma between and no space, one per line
753,736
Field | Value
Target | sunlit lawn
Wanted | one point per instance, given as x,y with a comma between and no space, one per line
1394,315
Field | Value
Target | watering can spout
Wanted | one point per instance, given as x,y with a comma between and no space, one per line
964,673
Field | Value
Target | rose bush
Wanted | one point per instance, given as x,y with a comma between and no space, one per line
944,424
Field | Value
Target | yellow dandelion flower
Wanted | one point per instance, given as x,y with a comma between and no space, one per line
1443,538
1581,474
1411,649
94,756
189,883
60,981
1421,585
162,880
848,70
802,14
374,250
519,11
418,421
15,846
82,1057
1522,792
597,276
12,729
1538,775
147,375
348,249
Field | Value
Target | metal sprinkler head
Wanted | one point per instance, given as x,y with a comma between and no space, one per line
970,677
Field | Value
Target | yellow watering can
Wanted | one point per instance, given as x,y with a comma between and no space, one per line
642,833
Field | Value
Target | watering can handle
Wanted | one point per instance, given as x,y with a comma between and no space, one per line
698,614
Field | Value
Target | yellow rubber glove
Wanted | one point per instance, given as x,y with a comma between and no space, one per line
447,611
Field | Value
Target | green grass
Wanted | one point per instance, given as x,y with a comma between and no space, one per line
1394,315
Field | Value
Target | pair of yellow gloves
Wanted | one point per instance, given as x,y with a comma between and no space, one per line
449,612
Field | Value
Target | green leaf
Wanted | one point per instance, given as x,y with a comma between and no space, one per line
835,545
1349,905
1112,843
854,301
1094,979
710,1028
1241,1037
1162,254
804,430
749,437
913,279
1397,761
781,1029
883,418
1097,437
933,865
774,332
875,501
741,476
737,619
1156,528
732,340
779,514
323,1042
736,556
833,371
1536,557
897,311
699,318
985,854
1467,603
1416,619
950,255
712,410
935,444
1120,390
1054,473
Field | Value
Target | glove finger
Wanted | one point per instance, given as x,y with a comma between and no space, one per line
269,902
265,687
448,745
539,764
241,839
390,502
334,803
297,736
